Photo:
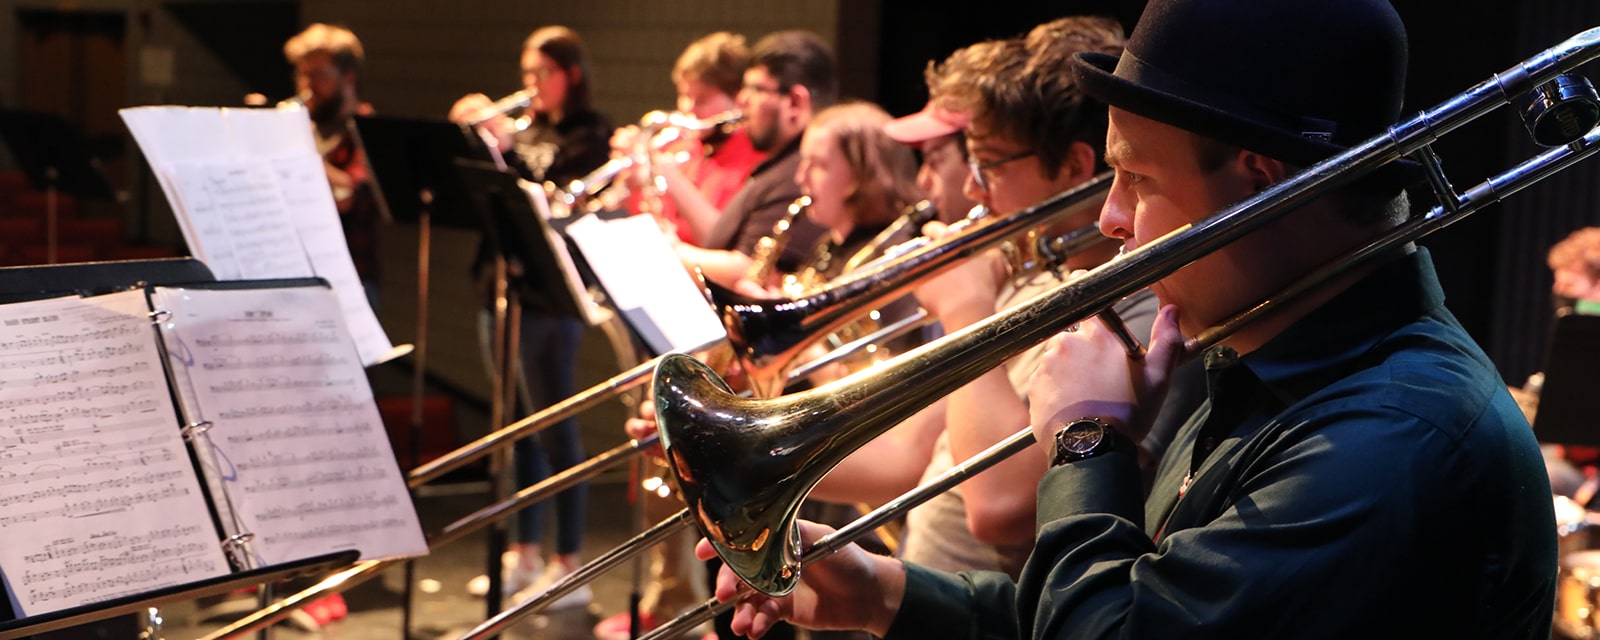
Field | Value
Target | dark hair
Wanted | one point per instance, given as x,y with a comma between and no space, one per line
798,57
718,59
883,171
339,43
565,47
1023,89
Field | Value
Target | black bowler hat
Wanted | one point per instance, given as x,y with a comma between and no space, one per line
1296,80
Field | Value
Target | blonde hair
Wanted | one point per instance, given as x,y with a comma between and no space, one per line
883,171
338,42
718,59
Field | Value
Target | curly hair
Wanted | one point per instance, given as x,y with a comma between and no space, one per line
883,171
1579,251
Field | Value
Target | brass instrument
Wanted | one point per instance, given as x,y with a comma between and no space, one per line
744,466
513,102
926,373
579,193
768,335
764,258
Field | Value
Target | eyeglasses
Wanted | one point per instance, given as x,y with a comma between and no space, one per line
978,168
756,88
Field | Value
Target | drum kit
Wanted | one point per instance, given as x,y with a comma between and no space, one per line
1577,613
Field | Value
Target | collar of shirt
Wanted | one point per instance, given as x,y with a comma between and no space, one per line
1321,346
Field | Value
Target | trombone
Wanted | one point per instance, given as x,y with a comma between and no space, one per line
746,505
781,328
768,335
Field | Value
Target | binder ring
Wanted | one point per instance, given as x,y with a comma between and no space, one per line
159,314
194,430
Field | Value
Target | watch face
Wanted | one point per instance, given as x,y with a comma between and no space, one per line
1082,436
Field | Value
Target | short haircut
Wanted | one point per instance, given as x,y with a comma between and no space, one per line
338,42
1024,90
799,57
883,171
718,60
565,47
1579,250
1359,203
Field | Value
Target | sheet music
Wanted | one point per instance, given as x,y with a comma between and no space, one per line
647,283
296,440
266,149
239,217
98,498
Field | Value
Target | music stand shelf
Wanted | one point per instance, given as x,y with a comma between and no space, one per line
32,625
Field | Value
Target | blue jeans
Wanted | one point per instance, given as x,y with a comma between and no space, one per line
548,356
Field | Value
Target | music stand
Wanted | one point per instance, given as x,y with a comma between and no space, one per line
1567,405
18,284
56,159
411,160
516,230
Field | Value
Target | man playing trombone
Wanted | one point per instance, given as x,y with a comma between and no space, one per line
1358,468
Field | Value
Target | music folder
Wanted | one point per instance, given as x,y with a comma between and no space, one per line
179,437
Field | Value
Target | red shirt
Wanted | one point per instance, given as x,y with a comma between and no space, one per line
719,175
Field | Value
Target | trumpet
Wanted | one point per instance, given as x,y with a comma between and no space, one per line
743,466
650,126
513,102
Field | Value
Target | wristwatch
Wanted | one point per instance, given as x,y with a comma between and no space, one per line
1086,438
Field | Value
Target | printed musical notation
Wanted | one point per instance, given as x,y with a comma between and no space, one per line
238,214
89,441
290,410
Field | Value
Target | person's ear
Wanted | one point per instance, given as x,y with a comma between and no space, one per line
801,95
1260,170
1080,161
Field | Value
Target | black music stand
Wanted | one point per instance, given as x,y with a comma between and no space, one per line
1567,404
56,160
32,625
412,164
517,231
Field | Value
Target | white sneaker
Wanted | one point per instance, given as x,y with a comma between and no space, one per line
554,572
513,576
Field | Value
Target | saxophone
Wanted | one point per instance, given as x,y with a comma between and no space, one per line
764,259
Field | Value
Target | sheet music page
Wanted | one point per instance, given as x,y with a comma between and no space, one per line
98,498
272,147
646,282
239,215
296,439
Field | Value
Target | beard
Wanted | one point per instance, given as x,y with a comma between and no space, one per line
328,113
763,139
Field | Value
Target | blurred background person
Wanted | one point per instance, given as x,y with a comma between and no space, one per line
791,77
700,171
561,138
1575,262
327,63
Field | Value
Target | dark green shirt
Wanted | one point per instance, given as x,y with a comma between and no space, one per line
1362,475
